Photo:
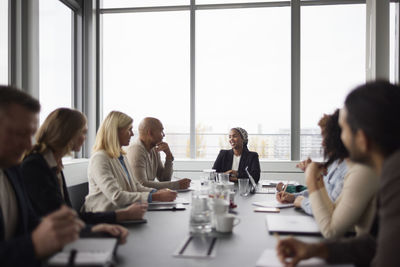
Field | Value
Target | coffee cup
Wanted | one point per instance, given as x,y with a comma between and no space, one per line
220,205
226,222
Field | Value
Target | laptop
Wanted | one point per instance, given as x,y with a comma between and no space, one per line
258,189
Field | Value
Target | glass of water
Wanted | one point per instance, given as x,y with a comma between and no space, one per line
243,187
200,215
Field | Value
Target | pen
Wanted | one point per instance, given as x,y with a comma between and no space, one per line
72,256
284,191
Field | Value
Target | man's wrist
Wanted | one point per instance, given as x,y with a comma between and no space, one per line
169,157
319,250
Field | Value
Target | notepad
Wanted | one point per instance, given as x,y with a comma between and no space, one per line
292,224
273,204
90,251
269,258
178,200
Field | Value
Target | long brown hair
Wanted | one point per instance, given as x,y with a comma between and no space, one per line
58,130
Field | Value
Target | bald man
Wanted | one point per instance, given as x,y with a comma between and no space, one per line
144,157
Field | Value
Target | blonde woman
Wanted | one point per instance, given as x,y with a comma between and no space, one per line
63,131
111,182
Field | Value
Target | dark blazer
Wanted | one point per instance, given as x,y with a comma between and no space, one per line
381,250
44,191
248,158
19,250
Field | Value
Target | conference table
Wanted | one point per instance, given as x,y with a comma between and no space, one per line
155,242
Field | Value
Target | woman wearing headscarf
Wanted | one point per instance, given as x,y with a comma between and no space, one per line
234,161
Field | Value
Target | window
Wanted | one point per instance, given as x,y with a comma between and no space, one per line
393,43
146,66
201,2
242,63
55,59
142,3
243,79
3,41
332,63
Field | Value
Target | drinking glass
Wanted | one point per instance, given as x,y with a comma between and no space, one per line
243,187
200,215
223,178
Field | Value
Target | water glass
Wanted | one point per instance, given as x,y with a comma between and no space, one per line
223,178
200,215
243,187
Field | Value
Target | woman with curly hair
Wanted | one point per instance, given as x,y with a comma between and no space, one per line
347,197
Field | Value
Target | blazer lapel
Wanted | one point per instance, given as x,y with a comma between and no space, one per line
1,225
12,176
124,177
229,160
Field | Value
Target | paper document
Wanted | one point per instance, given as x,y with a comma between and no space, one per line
90,251
269,258
184,190
272,204
293,224
178,200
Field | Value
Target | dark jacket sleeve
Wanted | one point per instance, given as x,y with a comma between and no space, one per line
44,191
98,217
389,214
218,164
253,163
18,252
358,250
41,185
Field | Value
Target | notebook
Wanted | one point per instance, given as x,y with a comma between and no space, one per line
178,200
272,204
89,251
292,224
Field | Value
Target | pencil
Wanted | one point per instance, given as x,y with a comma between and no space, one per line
284,190
276,235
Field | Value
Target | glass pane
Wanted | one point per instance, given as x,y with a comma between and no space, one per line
142,3
332,63
201,2
393,42
243,79
3,41
146,71
55,47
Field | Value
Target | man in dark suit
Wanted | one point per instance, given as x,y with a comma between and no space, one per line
24,240
371,133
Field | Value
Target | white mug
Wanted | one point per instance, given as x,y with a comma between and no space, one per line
226,222
220,206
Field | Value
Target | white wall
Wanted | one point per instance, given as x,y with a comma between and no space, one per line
76,170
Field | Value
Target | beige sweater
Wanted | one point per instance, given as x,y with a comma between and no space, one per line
147,166
355,207
109,188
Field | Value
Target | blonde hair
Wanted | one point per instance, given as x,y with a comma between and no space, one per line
58,131
107,135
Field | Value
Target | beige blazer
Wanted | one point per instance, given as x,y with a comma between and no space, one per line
109,187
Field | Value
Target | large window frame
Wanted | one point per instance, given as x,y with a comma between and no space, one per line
295,47
87,67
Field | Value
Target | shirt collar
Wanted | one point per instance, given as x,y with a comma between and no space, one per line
49,157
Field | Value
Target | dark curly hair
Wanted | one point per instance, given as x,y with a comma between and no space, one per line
333,146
